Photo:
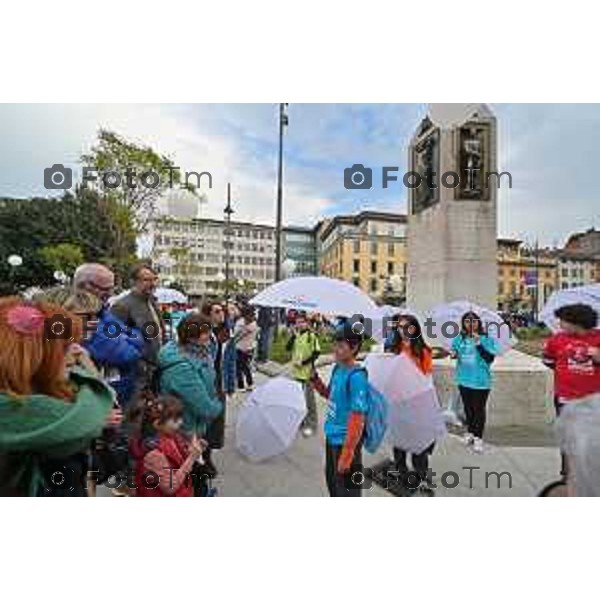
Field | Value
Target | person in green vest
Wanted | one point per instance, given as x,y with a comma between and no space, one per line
305,349
51,406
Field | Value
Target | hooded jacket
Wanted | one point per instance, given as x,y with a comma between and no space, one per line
192,380
39,427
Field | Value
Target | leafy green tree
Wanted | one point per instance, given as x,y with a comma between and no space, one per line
63,257
115,154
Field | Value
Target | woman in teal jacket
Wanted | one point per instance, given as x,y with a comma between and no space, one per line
187,371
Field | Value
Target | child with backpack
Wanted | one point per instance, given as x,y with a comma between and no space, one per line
351,401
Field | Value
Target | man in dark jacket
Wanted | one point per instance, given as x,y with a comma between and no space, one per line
138,309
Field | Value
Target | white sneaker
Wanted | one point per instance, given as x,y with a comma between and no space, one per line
478,446
468,439
307,432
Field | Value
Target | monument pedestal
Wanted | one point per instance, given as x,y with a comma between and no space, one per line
522,393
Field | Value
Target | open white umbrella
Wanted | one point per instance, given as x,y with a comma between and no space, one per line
415,419
587,294
447,322
317,294
269,419
165,295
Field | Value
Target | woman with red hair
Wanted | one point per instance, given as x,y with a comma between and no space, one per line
49,409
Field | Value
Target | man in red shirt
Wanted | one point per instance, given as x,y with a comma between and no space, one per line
574,354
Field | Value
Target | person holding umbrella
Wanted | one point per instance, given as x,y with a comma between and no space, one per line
475,352
574,354
407,338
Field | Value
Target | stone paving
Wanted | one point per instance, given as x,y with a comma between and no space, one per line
531,463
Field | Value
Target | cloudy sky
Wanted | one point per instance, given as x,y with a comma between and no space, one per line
551,150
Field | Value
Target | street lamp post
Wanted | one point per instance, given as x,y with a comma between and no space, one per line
283,122
228,212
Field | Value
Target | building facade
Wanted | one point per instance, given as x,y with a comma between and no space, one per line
575,270
368,250
194,253
526,277
299,245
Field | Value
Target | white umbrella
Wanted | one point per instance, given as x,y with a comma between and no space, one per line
269,419
415,417
447,322
317,294
169,296
587,294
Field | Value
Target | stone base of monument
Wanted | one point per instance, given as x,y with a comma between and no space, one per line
521,406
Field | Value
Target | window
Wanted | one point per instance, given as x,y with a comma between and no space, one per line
390,268
374,248
391,249
356,266
373,285
356,282
501,288
357,247
374,267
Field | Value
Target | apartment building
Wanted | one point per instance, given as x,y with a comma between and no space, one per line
575,270
299,245
368,250
193,252
524,275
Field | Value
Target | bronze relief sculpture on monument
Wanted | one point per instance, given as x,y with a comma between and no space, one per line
425,162
473,162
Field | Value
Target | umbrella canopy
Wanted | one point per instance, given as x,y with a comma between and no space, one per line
493,324
163,296
169,296
269,419
415,417
317,294
587,294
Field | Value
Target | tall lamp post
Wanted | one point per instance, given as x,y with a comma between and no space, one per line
228,212
283,123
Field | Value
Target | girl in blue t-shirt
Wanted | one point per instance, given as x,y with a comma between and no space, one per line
474,351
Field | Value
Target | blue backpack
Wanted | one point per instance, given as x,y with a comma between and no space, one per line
376,420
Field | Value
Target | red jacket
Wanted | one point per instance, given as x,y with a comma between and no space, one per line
163,470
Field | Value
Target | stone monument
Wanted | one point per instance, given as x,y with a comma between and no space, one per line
452,241
452,207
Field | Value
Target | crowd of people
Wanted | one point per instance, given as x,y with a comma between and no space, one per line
93,392
98,392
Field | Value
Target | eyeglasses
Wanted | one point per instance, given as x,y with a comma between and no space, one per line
102,288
